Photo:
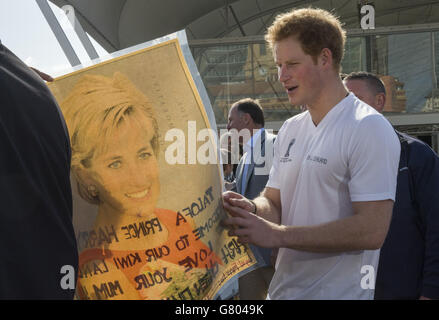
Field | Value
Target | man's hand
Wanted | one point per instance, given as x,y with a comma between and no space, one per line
232,199
248,227
43,75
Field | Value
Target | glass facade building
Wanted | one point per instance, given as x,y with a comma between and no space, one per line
407,63
405,57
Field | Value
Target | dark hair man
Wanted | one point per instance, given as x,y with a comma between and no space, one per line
246,114
409,259
327,204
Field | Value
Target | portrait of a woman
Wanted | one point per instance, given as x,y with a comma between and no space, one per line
115,148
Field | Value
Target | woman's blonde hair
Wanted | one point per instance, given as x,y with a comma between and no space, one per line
94,108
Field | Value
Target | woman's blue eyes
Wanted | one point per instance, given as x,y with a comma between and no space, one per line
144,155
117,164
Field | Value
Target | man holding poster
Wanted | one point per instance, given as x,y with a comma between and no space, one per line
328,202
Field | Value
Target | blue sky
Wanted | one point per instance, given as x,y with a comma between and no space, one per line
24,30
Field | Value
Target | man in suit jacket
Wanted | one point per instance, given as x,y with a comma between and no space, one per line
37,239
413,237
247,118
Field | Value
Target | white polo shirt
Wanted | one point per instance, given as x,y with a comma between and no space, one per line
352,155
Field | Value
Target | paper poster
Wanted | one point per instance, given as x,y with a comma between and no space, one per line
147,194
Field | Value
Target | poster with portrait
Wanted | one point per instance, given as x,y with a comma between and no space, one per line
146,183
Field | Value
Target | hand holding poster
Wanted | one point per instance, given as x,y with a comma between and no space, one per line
147,228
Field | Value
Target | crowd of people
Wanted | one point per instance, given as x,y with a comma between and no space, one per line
335,191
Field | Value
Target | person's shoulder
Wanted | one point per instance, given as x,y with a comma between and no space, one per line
363,123
358,111
412,141
363,118
294,120
418,150
298,117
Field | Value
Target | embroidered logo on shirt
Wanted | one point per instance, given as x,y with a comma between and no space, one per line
317,159
286,157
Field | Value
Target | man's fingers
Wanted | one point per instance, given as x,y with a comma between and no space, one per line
241,233
227,196
236,222
236,211
244,239
242,203
231,195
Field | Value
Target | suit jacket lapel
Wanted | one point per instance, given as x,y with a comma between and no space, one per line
251,166
257,158
239,173
260,154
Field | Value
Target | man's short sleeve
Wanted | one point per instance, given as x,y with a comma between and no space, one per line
373,160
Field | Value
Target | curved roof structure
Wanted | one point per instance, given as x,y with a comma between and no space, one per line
118,24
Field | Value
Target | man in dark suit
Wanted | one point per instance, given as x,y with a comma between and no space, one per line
36,232
247,118
409,259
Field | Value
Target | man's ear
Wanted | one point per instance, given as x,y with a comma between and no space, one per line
247,118
380,101
325,57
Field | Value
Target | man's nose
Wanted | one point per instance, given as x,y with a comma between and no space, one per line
282,74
